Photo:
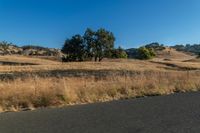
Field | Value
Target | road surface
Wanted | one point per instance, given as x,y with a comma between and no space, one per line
178,113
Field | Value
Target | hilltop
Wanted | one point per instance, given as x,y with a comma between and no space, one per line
11,49
195,48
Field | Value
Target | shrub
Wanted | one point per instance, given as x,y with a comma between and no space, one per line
119,53
146,53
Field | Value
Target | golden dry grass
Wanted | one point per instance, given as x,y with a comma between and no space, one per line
26,59
140,78
130,65
42,92
172,54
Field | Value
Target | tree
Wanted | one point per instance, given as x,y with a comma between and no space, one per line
90,43
99,43
104,43
145,53
93,45
74,49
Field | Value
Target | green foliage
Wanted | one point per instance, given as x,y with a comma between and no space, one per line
90,42
145,53
74,49
93,45
99,43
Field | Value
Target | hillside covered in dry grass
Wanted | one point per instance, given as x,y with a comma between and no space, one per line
32,82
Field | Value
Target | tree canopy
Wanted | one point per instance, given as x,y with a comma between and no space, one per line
92,45
99,43
74,49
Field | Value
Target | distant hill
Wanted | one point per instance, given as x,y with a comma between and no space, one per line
195,49
10,49
133,52
165,52
162,51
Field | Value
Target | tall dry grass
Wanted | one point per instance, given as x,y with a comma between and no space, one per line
117,79
36,92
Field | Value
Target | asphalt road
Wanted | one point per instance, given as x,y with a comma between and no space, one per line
178,113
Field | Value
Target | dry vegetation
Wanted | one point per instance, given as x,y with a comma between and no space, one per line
99,82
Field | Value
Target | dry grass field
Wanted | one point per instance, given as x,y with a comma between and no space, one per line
48,83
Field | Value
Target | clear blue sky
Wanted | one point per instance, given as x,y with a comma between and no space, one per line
133,22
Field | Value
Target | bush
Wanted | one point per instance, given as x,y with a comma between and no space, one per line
146,53
119,53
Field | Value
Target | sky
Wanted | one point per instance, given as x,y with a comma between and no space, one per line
134,22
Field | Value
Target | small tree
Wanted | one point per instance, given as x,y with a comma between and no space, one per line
145,53
74,49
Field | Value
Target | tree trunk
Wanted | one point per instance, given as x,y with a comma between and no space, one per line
100,59
95,58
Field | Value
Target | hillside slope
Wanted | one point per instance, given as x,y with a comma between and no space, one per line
10,49
172,54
